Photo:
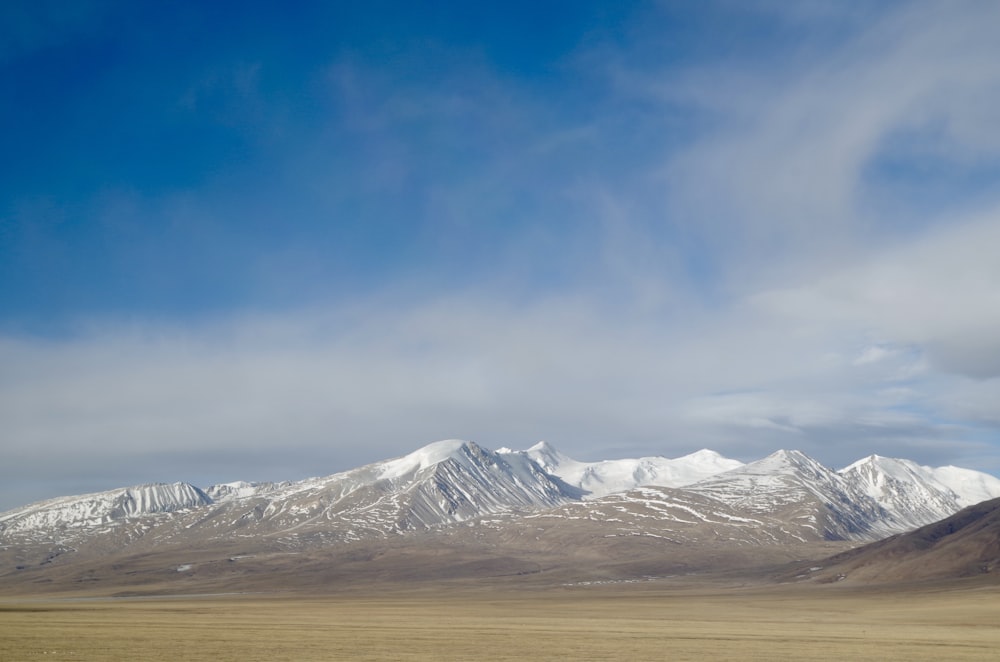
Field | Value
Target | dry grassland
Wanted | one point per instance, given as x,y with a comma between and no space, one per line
579,623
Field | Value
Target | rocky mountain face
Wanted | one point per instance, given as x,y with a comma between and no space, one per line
537,499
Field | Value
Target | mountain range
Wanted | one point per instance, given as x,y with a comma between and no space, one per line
509,504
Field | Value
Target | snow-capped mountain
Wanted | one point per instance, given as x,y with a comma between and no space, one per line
700,498
90,510
917,495
805,492
971,487
443,483
913,486
910,495
599,479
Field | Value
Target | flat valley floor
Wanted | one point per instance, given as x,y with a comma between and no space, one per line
645,621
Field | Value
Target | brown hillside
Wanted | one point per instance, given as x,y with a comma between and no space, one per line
967,544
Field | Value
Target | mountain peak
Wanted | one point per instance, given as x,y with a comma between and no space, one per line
424,457
704,452
887,465
709,457
548,457
871,460
787,454
786,459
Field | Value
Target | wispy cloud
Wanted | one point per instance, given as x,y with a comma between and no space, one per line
794,156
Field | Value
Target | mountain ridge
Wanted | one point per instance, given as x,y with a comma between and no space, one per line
456,497
605,477
100,507
541,476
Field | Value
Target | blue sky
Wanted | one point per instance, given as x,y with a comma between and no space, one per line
242,241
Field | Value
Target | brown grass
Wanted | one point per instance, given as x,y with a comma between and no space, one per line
651,621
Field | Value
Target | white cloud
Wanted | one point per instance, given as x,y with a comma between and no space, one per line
873,354
940,292
318,392
783,182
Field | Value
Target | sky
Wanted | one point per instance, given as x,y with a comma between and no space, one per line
245,241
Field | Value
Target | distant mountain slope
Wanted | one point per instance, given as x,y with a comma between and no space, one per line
100,508
966,544
521,498
791,485
970,486
674,515
918,495
241,489
599,479
906,490
442,483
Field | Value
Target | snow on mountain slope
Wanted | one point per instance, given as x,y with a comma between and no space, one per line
423,458
917,495
676,515
786,496
970,486
452,481
599,479
241,489
104,507
442,483
805,492
908,491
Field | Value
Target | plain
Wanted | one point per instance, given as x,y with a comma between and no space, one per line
652,620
